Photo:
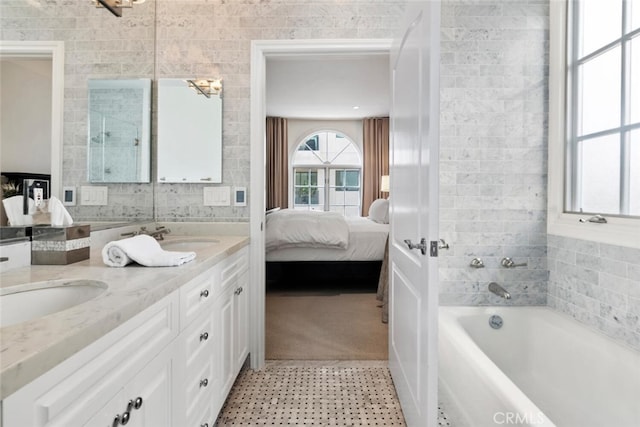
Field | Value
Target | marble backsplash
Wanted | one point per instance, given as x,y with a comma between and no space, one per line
597,284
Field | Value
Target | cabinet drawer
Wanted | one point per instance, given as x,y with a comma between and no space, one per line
75,390
236,263
201,388
206,418
199,338
197,295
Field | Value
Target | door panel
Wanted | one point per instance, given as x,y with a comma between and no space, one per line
414,214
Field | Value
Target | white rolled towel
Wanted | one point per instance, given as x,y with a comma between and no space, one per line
144,250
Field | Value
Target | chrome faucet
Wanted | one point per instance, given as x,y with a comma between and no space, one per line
499,290
158,234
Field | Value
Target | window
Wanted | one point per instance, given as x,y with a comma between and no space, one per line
603,103
326,169
594,115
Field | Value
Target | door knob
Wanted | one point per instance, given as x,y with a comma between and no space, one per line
422,245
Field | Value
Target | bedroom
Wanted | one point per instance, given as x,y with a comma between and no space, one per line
317,107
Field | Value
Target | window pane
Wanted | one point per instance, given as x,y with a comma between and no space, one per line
634,91
353,178
634,181
600,93
599,178
635,14
601,23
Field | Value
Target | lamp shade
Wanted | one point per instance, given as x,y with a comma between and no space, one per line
384,183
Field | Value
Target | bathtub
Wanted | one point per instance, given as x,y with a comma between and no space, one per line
541,368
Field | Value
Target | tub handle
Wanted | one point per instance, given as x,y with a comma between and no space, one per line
509,263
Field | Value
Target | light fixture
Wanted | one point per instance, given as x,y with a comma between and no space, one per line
384,183
206,87
116,6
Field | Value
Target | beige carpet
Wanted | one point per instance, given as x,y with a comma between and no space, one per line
325,327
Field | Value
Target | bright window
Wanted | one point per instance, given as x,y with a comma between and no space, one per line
326,169
603,107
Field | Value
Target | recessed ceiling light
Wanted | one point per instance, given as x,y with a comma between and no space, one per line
355,107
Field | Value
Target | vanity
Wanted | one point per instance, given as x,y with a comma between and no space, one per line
156,347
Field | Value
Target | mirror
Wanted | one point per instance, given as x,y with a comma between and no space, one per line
189,133
119,137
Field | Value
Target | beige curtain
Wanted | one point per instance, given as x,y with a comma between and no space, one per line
277,163
376,159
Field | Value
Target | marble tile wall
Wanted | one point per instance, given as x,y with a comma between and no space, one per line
597,284
185,37
493,158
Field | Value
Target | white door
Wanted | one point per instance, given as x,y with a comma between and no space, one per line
413,314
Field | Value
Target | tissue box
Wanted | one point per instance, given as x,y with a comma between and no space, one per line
60,245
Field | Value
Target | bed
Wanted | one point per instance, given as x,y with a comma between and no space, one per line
323,247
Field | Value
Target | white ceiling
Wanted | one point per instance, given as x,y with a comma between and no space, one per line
328,86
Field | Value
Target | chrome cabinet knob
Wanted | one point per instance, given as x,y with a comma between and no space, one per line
204,293
238,291
204,382
124,419
204,336
116,421
137,403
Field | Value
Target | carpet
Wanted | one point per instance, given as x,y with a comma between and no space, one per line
306,326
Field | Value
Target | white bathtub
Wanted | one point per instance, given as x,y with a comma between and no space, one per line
542,368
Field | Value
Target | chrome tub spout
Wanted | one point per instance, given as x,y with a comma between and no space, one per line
499,290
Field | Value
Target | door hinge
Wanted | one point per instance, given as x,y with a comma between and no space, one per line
433,248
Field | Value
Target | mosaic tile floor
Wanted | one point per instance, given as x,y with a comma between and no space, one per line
307,393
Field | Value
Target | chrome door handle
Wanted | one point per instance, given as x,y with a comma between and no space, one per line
422,245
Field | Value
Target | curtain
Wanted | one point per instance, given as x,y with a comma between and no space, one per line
277,186
375,143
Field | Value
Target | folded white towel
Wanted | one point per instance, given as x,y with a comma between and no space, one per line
13,208
144,250
59,214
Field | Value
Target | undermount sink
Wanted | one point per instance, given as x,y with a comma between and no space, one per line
188,244
34,300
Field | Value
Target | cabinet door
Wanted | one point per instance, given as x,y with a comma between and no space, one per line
241,322
106,417
153,390
225,347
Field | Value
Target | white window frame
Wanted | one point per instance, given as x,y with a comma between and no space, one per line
328,168
621,231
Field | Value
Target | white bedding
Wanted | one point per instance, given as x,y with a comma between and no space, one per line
367,241
289,228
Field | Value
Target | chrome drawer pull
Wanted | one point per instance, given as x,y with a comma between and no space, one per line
204,293
204,336
204,382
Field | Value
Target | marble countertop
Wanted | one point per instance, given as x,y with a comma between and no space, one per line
31,348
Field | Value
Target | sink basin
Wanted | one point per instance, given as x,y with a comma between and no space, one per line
188,244
33,300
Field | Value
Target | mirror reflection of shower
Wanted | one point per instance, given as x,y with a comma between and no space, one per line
118,133
114,154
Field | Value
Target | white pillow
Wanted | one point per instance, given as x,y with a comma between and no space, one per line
379,211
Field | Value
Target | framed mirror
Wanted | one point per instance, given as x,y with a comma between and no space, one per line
119,131
189,131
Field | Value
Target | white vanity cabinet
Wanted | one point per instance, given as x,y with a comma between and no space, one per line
171,365
104,375
232,307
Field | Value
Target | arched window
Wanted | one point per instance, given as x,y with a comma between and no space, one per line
326,169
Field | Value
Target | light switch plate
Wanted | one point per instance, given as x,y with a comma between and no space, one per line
217,196
91,195
240,196
69,196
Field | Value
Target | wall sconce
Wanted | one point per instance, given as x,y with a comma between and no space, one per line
206,87
384,183
116,6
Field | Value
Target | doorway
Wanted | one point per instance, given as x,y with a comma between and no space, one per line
261,50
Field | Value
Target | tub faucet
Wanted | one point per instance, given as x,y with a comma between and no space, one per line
499,290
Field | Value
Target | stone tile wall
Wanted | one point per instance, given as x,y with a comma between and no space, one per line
493,157
597,284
